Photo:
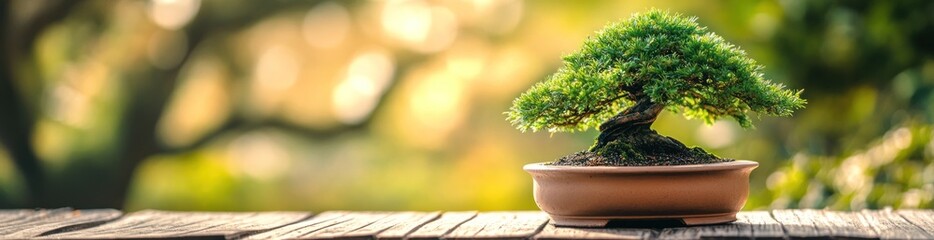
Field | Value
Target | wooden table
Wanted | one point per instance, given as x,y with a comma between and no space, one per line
153,224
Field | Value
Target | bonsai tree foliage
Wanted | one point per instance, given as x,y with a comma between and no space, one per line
626,74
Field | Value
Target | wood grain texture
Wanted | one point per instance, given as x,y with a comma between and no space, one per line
399,231
441,226
111,224
891,225
551,232
763,225
9,215
165,224
758,224
500,225
921,218
366,225
848,225
371,230
302,228
348,225
798,224
730,230
20,224
356,221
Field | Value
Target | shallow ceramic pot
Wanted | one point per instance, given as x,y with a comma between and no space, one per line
592,196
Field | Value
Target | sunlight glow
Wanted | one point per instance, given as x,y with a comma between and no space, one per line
419,26
498,16
68,105
173,14
853,176
258,155
914,197
200,104
515,67
326,25
719,134
467,59
275,72
72,100
437,104
277,69
356,96
407,20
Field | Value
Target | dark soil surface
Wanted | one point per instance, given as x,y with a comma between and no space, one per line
587,158
641,148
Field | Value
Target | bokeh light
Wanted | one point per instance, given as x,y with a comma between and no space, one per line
173,14
356,96
398,104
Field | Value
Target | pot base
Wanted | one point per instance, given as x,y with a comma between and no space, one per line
691,220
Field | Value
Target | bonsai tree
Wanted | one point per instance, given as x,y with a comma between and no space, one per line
630,71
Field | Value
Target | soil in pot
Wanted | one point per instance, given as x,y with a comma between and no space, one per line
647,148
627,140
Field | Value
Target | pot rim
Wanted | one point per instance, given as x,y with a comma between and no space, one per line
737,164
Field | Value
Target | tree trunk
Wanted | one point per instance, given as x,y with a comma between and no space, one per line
634,119
627,140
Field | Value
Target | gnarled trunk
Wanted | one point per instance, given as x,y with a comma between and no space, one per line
627,140
634,119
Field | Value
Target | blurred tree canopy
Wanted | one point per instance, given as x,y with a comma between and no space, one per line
245,105
869,65
101,177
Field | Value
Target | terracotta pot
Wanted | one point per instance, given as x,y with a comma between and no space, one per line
592,196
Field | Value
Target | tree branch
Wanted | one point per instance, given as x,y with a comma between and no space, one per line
17,124
236,123
149,104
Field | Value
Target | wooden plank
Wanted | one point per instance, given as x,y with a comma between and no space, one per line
891,225
365,225
683,232
399,231
100,224
798,224
758,224
17,220
10,215
848,225
835,224
301,228
356,220
167,224
763,225
727,230
441,226
832,224
347,225
500,225
19,224
551,232
396,226
20,219
921,218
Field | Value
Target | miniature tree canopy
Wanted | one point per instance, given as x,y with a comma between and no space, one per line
622,78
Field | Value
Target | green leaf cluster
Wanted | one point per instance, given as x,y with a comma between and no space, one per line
666,57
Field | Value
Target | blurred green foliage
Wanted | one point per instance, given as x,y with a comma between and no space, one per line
316,105
868,144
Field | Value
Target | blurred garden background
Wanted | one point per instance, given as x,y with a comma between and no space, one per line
398,104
